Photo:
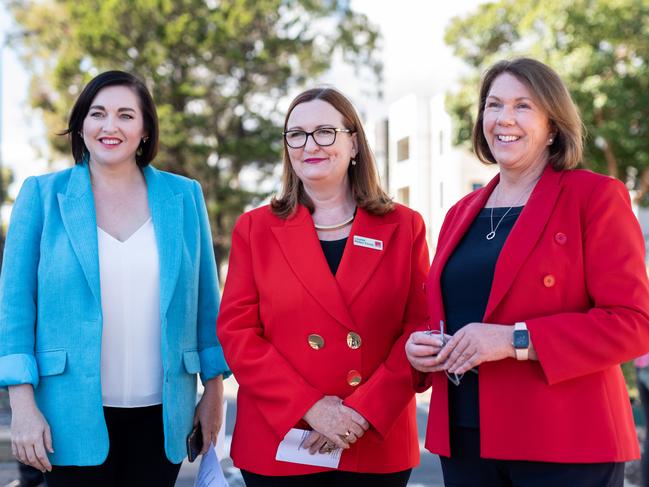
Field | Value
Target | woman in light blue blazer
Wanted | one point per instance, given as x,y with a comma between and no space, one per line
108,302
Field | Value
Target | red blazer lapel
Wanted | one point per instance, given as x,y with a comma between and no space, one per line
299,243
451,237
523,237
359,261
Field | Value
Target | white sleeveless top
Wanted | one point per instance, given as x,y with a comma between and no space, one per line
131,362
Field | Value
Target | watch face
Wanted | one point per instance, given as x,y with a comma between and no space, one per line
521,339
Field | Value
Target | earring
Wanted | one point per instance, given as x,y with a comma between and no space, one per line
353,161
139,150
550,140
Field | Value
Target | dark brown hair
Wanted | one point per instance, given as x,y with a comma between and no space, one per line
553,97
148,149
363,176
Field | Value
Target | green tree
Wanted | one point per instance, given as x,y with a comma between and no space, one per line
217,69
600,49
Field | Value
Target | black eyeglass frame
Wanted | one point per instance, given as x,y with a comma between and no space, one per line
307,134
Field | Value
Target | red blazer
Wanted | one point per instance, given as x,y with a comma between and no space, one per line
573,268
279,291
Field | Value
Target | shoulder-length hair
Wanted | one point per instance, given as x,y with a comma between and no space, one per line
148,148
363,176
550,92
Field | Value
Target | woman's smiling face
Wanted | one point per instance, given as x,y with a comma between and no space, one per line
114,126
516,128
316,164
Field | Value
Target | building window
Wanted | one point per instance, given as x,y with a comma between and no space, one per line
403,149
403,195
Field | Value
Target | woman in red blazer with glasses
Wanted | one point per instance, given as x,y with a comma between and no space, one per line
323,289
539,280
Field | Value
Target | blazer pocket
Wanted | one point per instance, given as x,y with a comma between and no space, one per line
51,362
192,361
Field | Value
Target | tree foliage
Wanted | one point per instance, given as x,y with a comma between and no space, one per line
600,49
217,70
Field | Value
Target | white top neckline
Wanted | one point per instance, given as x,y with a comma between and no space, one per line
130,236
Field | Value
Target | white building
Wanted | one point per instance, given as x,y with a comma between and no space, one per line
422,169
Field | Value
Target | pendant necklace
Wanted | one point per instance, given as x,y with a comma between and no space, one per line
492,233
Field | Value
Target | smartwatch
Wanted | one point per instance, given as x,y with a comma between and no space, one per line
521,340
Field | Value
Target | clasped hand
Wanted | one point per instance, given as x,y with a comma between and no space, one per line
472,345
333,423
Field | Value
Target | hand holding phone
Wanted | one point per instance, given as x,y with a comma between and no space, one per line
194,443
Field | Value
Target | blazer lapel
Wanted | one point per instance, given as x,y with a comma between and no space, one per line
359,262
461,223
167,216
299,243
77,208
523,237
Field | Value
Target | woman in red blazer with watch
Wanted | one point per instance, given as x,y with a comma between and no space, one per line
539,280
324,287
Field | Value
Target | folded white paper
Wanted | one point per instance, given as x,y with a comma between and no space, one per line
210,473
290,450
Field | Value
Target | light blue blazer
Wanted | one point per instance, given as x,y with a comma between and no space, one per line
50,307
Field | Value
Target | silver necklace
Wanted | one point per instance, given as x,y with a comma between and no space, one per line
492,233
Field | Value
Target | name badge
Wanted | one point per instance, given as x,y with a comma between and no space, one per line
367,242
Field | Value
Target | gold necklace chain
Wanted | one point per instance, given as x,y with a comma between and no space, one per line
335,226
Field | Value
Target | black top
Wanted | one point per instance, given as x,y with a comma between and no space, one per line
333,252
466,284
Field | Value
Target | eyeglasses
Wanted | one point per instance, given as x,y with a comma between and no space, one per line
296,139
453,377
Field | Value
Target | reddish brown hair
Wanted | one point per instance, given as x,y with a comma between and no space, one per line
363,176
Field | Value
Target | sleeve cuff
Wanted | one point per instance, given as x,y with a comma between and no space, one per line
420,381
19,368
213,363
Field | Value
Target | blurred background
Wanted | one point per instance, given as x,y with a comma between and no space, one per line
222,73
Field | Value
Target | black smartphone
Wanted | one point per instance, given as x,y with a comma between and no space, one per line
194,443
